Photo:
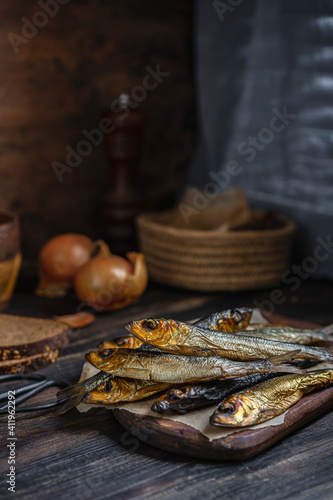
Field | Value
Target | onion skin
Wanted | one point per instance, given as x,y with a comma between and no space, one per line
78,320
59,261
110,282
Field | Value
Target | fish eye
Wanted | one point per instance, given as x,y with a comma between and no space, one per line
237,316
228,408
150,324
121,341
105,353
178,393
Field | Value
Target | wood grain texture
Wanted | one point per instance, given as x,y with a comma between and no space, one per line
58,84
91,456
178,437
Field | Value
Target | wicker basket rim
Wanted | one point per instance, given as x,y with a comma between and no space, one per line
152,219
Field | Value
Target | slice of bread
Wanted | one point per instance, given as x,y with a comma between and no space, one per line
29,363
22,337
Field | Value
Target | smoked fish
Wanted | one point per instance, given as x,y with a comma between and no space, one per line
128,342
123,389
286,334
76,392
229,321
177,369
188,397
268,399
182,338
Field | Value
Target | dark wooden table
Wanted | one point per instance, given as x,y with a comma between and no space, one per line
91,456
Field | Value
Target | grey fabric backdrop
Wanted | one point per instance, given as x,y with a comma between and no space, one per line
253,62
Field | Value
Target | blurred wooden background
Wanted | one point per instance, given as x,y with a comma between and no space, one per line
58,83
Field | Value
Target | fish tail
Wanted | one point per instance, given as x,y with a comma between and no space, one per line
75,393
74,396
288,369
69,404
73,390
277,362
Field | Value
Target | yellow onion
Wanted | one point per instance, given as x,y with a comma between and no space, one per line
111,282
58,262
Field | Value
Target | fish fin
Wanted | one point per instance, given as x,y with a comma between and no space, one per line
198,351
278,365
268,412
285,368
182,350
69,404
73,390
136,373
284,358
80,387
327,330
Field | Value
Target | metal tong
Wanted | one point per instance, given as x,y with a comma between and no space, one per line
23,393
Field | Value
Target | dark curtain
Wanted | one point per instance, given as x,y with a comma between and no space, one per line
265,92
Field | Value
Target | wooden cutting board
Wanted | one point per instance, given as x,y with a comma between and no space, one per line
177,437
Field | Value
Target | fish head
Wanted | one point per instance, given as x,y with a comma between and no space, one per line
127,342
102,394
175,400
124,342
161,405
181,392
234,320
236,411
107,359
156,331
110,392
182,398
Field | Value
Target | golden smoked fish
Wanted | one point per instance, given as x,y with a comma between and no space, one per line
182,338
268,399
228,321
177,369
76,392
128,342
285,334
123,389
188,397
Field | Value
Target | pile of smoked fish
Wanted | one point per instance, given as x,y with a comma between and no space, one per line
250,373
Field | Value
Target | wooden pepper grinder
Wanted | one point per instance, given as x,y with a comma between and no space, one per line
122,201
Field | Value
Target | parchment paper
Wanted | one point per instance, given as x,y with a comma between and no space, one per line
198,419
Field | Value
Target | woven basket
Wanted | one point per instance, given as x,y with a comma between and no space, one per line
211,260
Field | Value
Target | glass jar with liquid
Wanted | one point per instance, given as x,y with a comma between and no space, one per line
10,256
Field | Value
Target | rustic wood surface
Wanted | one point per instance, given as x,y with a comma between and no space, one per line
180,438
184,439
92,456
57,85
